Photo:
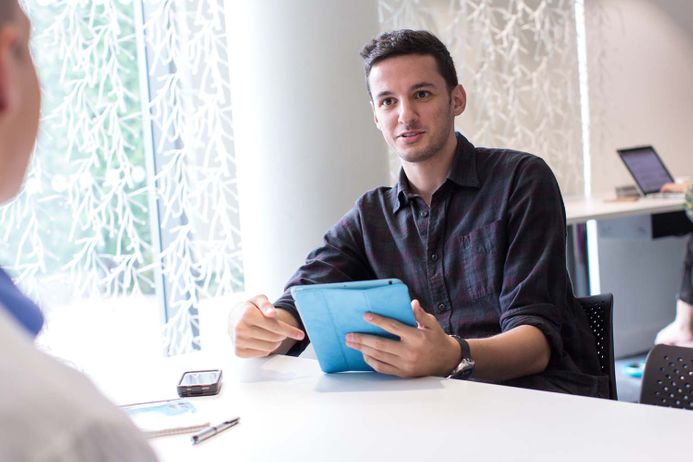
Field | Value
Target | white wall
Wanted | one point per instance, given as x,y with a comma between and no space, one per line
305,141
640,64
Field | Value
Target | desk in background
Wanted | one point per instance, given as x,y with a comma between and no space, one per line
291,411
643,273
579,210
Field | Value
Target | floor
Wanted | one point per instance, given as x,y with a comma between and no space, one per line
628,387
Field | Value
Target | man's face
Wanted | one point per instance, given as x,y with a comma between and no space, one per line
413,107
19,103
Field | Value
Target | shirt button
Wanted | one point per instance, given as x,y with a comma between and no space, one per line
434,256
441,307
424,214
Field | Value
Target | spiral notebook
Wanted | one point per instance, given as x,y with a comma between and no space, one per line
169,417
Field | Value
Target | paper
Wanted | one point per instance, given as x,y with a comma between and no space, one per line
170,417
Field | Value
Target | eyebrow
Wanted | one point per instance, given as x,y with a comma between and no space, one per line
416,86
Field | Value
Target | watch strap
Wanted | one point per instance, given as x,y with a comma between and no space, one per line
465,367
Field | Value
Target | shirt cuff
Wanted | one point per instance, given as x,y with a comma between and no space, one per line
299,346
534,316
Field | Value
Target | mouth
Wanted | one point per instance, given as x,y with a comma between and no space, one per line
411,136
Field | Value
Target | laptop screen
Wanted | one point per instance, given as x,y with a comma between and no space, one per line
646,167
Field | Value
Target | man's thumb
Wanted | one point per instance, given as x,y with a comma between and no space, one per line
422,318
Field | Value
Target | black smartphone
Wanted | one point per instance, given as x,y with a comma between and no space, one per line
200,383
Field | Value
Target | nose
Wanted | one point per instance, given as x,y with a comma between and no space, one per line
407,113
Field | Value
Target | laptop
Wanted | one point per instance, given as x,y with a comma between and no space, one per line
647,169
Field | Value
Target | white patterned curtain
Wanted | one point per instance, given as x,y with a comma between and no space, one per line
518,62
131,199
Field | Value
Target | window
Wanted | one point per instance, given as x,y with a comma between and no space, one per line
128,219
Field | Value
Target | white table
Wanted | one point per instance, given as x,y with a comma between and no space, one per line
582,209
291,411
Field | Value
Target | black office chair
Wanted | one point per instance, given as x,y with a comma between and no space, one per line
599,312
668,377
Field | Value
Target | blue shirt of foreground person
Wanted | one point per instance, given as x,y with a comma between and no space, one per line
477,234
23,310
50,412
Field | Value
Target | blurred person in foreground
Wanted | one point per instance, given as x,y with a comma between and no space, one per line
48,411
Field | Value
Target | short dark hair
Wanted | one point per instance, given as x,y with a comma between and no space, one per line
409,42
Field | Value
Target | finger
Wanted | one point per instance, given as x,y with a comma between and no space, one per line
262,334
264,305
255,318
358,341
380,355
380,366
250,353
256,344
278,327
388,324
422,318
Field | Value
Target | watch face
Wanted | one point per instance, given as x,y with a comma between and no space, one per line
464,369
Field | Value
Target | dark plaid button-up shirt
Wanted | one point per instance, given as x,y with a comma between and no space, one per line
488,255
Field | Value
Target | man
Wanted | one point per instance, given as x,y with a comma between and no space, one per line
478,235
49,411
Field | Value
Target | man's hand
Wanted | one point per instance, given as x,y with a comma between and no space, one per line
422,350
262,329
674,187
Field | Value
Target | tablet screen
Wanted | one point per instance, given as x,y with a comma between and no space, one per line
646,167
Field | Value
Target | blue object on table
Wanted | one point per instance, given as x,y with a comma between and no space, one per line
331,311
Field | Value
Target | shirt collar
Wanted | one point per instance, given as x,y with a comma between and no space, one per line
401,192
462,172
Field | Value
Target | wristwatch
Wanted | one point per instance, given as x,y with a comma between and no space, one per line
465,368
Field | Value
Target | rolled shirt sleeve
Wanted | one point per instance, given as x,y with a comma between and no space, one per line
534,277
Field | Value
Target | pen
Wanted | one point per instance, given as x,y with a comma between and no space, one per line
211,431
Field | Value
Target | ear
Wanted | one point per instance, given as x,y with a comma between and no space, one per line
8,37
459,100
375,117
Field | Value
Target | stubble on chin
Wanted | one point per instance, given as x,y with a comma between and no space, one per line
415,157
422,154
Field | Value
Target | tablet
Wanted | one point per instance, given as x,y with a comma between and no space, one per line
330,311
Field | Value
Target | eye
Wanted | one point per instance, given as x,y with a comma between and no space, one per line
422,94
387,102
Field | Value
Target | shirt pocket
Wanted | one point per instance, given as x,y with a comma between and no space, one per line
480,264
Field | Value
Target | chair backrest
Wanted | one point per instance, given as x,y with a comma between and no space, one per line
599,312
668,377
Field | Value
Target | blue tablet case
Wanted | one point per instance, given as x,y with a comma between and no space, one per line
330,311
